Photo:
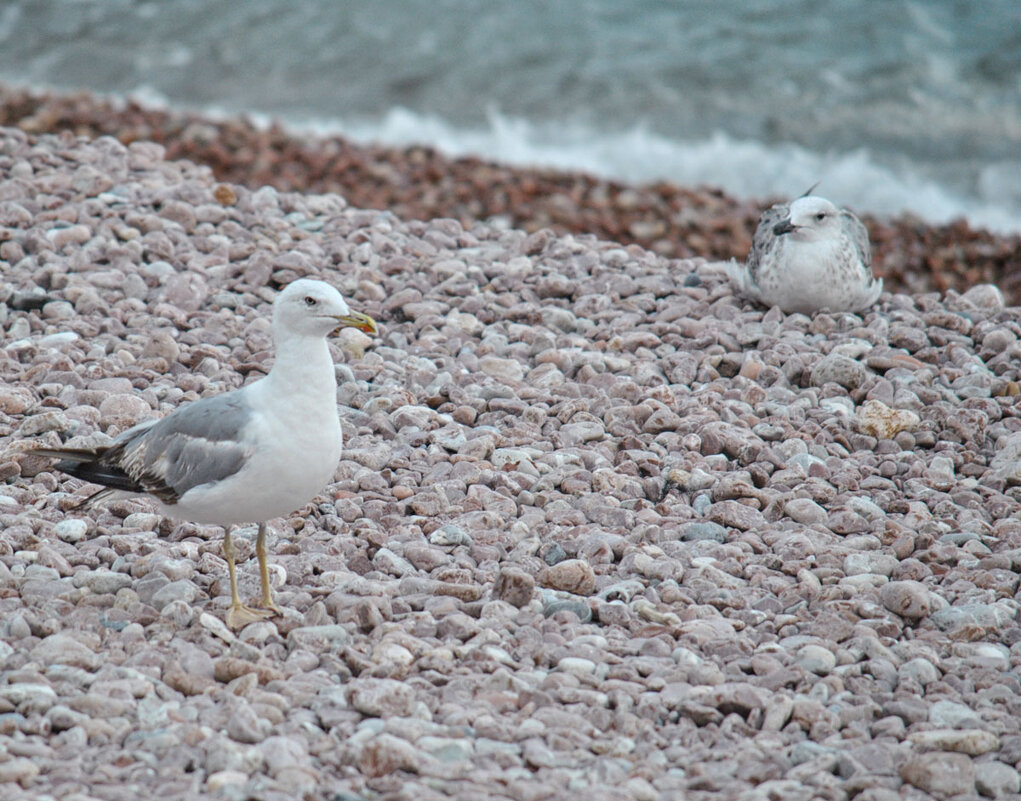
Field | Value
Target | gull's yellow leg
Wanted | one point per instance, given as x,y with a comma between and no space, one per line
260,552
239,615
228,554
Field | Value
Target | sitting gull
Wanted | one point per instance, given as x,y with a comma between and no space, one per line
245,456
807,256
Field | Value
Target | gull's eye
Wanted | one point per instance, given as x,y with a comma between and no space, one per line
820,217
310,301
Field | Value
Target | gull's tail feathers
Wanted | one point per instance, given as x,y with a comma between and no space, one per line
875,290
89,465
739,276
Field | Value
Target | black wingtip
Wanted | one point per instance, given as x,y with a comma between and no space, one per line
89,466
105,475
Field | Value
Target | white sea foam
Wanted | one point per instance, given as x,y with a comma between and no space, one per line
745,169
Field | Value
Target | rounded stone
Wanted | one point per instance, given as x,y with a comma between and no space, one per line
878,420
919,670
19,770
909,599
973,742
805,511
123,410
575,606
816,659
874,562
514,586
245,726
58,310
997,780
571,575
15,400
502,369
382,698
450,535
940,773
704,530
72,530
222,779
385,754
838,369
63,649
105,582
950,714
577,666
181,590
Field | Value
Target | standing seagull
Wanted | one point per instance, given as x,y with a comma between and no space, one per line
807,256
246,456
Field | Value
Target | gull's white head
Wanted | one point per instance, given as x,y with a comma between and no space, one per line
314,308
811,218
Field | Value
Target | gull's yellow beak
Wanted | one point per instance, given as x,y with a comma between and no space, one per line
358,320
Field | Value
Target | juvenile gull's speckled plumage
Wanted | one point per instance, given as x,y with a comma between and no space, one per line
809,256
249,455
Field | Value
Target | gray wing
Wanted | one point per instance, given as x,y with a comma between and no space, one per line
858,234
762,241
197,444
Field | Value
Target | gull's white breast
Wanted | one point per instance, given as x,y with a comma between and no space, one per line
295,444
813,275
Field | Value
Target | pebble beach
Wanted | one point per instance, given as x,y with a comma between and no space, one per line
422,184
601,528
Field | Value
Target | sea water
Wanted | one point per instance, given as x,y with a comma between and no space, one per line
891,106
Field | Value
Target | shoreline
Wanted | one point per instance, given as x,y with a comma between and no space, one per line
420,183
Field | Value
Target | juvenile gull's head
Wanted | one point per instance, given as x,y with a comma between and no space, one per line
811,218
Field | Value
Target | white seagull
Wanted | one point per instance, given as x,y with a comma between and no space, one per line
808,256
246,456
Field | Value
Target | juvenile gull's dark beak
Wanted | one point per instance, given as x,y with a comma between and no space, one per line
358,320
784,227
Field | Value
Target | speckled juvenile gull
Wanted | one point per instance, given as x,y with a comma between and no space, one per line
809,256
246,456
